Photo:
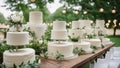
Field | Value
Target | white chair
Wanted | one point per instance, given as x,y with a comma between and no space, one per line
101,63
114,63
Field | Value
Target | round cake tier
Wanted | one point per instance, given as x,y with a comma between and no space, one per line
105,41
74,33
17,38
59,25
39,29
75,24
83,45
23,55
59,35
95,42
35,17
65,49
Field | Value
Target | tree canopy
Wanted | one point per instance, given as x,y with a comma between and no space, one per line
2,19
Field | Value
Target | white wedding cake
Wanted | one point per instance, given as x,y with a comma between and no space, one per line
94,42
86,46
23,55
76,32
17,38
36,23
59,31
65,48
20,55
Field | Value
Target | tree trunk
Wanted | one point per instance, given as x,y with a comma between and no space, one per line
114,32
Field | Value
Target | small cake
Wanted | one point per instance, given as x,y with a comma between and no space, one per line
95,42
59,31
106,41
17,38
23,55
83,45
64,48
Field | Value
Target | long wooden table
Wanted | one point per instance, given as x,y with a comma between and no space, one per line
78,62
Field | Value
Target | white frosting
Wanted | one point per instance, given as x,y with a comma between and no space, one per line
59,31
59,25
39,29
35,17
65,49
75,24
59,35
17,38
105,41
89,30
23,55
74,33
35,24
85,23
95,42
100,23
83,45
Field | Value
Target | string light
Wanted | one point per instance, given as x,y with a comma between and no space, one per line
75,12
109,21
63,11
101,10
107,25
114,21
91,22
85,12
113,11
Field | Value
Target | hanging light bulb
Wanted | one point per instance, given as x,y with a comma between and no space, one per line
75,12
114,21
119,24
109,21
101,10
32,0
107,25
63,11
91,22
113,11
85,12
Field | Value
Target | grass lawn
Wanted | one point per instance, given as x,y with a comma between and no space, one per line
115,39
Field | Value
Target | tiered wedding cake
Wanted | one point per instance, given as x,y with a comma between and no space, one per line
36,23
76,31
21,55
59,33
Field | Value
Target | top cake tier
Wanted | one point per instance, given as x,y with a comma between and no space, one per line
35,17
75,24
59,25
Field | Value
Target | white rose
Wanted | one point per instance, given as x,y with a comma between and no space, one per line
16,18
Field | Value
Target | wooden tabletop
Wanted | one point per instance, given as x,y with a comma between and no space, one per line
76,62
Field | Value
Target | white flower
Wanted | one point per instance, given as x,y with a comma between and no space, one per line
16,18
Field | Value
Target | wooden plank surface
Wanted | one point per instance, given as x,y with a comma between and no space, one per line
76,62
